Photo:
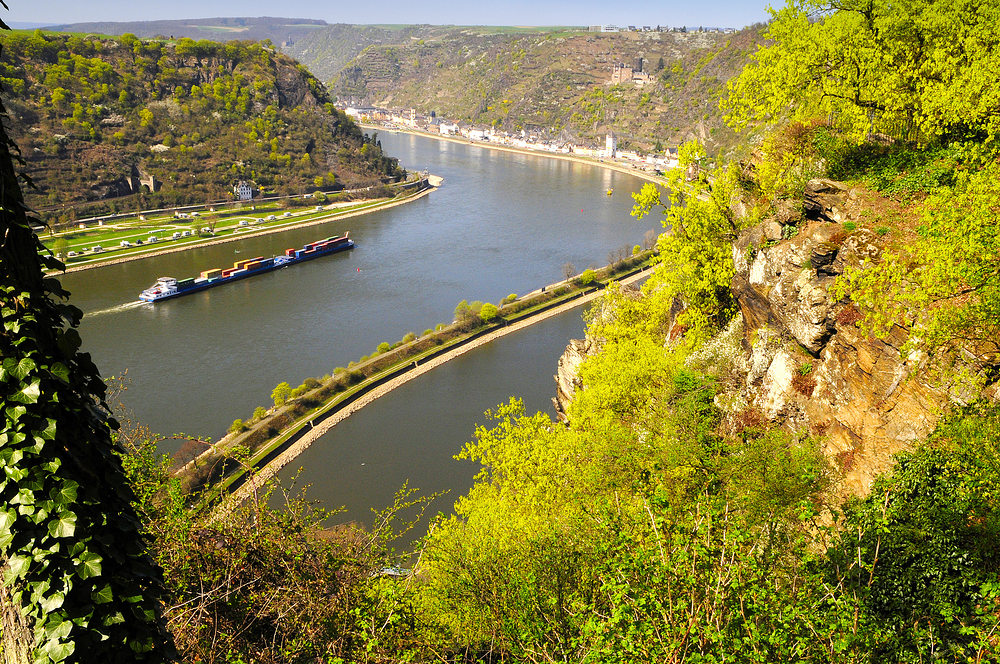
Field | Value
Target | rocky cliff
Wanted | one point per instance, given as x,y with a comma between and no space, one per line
796,356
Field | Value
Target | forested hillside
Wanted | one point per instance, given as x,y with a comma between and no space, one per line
556,82
95,118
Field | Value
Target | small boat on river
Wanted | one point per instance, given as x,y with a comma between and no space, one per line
166,288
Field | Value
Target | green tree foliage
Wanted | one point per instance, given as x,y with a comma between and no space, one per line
920,553
876,65
488,312
281,393
264,582
78,581
227,111
694,256
944,287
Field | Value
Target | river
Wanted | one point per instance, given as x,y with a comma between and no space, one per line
501,223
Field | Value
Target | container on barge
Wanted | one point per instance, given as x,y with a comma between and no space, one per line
166,288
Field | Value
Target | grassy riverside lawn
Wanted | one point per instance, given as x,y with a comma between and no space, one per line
230,224
218,473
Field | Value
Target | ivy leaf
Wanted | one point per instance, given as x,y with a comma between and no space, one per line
89,565
64,526
102,596
28,394
58,651
69,342
7,520
21,370
53,602
50,430
66,493
17,566
60,371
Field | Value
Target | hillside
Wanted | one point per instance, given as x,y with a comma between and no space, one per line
107,124
278,30
554,82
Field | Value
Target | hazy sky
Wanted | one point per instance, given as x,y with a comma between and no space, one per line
718,13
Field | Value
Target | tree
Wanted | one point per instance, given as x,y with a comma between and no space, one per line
281,393
875,65
695,262
488,312
79,583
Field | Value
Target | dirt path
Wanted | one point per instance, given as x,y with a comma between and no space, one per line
252,485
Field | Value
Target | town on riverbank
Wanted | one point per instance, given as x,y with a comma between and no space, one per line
608,154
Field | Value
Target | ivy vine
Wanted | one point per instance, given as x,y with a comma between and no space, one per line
77,574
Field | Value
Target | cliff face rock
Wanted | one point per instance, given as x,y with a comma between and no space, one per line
567,375
796,356
810,367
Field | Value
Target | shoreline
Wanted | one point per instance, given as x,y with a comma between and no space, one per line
433,183
611,166
258,479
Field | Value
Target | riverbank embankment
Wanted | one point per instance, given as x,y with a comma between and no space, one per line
562,156
301,435
433,182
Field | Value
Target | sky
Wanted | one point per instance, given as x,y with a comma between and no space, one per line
709,13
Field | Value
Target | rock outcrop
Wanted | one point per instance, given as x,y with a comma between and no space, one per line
803,361
810,366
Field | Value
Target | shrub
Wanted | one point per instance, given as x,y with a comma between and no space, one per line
488,312
409,337
280,393
259,413
804,385
510,298
849,315
237,426
883,230
850,226
805,368
427,332
383,347
587,277
311,383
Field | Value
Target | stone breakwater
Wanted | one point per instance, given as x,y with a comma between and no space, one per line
252,485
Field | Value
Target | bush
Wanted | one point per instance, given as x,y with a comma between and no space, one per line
488,312
587,277
237,426
427,332
311,383
383,347
850,226
409,337
510,298
804,385
281,393
259,413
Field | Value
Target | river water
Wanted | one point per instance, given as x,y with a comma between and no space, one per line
501,223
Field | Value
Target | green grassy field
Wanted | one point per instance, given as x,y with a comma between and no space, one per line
103,241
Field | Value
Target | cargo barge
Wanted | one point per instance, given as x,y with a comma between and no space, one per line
168,287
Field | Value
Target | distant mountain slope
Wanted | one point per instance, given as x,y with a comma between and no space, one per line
560,81
554,79
96,118
278,30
